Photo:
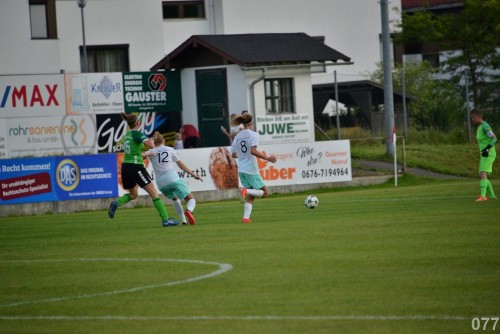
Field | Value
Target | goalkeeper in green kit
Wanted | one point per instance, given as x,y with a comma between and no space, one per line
486,140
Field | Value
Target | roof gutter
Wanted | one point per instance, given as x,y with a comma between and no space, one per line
249,68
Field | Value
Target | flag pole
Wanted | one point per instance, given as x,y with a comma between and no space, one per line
395,158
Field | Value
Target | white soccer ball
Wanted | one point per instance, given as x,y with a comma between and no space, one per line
311,201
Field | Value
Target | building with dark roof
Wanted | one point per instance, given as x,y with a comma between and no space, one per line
248,50
267,74
368,97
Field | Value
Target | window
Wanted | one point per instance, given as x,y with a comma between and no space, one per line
279,96
38,15
432,59
43,19
105,58
183,9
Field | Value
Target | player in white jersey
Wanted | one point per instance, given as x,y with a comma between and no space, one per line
167,179
244,147
233,129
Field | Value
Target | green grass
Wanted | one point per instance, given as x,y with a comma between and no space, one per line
447,153
418,258
453,159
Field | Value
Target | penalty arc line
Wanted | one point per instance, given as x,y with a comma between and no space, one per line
223,267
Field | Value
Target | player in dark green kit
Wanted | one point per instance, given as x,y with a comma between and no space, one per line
486,140
134,173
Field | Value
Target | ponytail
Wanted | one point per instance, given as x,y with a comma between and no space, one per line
131,119
244,119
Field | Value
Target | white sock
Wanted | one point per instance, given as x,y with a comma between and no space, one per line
247,211
191,204
255,192
180,212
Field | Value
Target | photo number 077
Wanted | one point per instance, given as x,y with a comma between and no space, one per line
485,323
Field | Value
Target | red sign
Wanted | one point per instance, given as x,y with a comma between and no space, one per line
25,186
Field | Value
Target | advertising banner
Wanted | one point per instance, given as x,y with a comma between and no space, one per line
111,129
4,150
283,129
95,176
152,91
44,136
57,178
77,134
94,93
32,96
305,163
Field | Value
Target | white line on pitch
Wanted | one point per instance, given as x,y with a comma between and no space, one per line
252,317
223,267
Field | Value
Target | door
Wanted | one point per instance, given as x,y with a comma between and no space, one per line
211,98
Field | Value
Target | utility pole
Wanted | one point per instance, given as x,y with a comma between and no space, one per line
388,93
337,104
469,131
403,85
82,4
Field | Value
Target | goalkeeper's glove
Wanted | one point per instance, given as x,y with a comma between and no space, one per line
485,151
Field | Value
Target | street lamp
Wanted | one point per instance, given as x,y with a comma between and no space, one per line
81,4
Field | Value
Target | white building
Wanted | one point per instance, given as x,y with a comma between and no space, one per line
42,51
45,36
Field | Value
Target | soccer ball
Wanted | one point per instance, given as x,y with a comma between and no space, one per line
311,202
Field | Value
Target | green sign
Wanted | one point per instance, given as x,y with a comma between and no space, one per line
152,91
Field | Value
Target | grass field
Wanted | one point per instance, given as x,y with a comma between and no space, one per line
422,257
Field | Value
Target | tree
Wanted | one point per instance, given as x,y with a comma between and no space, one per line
439,103
471,35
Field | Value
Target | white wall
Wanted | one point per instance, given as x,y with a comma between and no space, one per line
189,103
237,90
19,54
351,27
137,23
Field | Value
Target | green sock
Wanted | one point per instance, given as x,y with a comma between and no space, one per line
124,199
489,189
160,207
483,185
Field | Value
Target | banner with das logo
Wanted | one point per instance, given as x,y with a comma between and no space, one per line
58,178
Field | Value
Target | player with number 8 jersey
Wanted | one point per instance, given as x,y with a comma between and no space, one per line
244,148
